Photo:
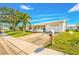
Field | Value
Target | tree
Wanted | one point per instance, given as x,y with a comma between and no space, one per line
15,20
10,15
13,17
25,19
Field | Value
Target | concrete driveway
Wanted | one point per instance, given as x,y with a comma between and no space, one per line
2,50
14,46
40,39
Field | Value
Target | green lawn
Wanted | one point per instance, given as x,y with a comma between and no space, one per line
17,33
66,42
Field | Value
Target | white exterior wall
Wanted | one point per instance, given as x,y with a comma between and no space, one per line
57,28
64,26
39,30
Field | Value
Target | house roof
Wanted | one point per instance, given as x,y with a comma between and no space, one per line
54,22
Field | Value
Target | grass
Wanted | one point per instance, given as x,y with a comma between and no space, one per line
17,33
66,42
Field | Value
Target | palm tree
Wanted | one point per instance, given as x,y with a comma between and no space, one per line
25,19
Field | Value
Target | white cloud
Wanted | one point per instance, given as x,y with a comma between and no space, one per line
75,8
26,7
47,19
41,19
46,15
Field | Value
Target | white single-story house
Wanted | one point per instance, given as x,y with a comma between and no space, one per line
57,26
4,26
72,27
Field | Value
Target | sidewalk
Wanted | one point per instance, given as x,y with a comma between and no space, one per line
29,48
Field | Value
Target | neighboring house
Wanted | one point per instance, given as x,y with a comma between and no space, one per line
71,27
57,26
4,26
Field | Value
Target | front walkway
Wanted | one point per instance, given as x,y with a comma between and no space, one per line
22,47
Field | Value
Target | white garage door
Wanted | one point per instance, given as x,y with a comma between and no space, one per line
55,28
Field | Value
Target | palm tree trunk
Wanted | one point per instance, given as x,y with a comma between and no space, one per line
24,27
14,27
23,30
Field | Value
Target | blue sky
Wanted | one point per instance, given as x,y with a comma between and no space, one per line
47,12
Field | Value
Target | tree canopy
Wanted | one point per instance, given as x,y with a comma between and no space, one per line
13,17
